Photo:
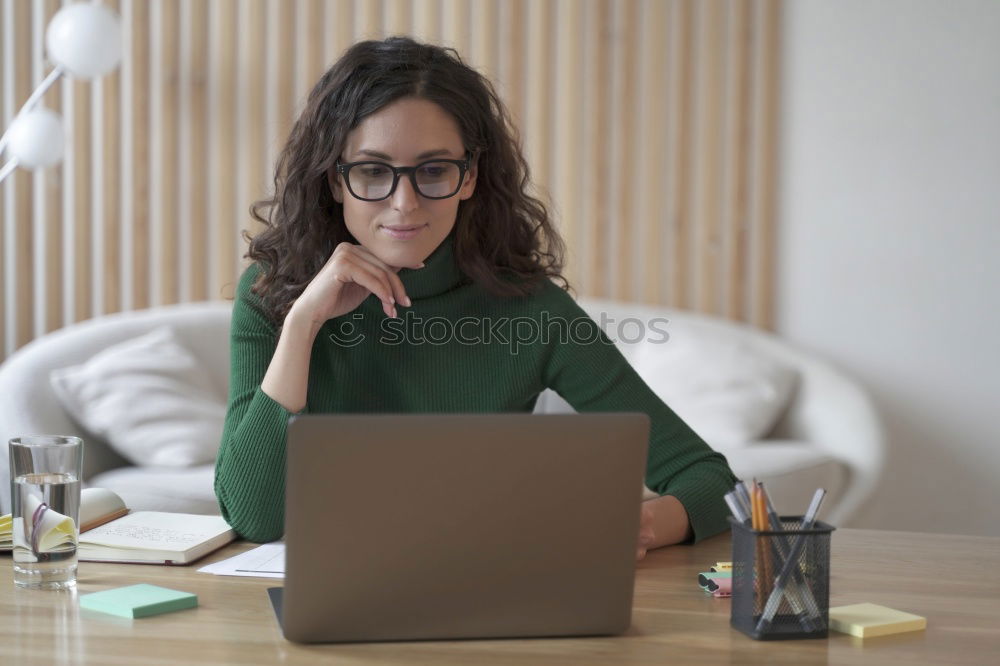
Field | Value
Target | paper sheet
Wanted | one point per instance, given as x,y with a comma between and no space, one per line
266,561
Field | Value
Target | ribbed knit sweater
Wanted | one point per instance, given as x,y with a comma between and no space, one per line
452,351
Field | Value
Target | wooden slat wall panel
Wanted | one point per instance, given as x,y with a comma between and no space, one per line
38,184
624,139
107,274
338,36
649,126
764,134
427,19
568,92
194,215
224,217
595,149
510,58
651,152
77,111
168,166
537,100
367,19
22,243
709,99
141,163
47,211
310,44
737,114
679,151
6,199
251,148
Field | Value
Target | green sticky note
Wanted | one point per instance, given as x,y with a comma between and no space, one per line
705,576
141,600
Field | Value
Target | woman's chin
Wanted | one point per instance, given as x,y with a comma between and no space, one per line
403,248
397,255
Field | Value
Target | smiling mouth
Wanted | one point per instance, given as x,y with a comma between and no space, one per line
402,232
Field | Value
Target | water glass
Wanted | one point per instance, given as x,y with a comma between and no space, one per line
45,475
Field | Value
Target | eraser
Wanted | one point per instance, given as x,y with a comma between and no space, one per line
134,601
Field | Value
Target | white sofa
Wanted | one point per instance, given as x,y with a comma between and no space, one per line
828,436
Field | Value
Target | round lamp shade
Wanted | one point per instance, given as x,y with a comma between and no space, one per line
85,40
36,139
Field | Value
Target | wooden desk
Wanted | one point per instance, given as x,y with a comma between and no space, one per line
673,621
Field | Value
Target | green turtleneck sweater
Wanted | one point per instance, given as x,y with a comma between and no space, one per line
364,361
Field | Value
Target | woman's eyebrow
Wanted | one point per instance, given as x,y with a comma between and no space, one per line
423,155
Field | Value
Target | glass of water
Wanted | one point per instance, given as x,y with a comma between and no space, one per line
45,475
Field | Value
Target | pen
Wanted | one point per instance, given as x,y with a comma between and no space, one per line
740,492
799,595
791,563
736,507
743,496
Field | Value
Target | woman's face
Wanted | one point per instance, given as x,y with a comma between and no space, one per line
404,133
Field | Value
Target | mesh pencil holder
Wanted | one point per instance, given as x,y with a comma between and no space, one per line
781,580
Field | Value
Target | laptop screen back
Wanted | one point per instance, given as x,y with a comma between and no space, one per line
424,526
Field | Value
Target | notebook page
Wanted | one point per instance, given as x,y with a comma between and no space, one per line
155,530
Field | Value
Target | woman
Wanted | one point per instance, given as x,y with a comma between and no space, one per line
402,189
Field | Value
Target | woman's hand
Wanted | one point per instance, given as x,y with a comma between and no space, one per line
646,534
662,522
345,281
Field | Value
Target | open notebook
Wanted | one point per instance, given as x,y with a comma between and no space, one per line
110,533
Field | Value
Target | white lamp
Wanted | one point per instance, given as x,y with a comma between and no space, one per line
83,40
35,138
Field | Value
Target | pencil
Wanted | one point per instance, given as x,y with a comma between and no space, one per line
758,571
764,544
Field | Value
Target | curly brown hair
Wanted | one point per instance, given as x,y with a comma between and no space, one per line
503,237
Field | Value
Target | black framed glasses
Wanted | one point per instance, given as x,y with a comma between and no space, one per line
376,181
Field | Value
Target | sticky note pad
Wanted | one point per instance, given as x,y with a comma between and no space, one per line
869,620
138,600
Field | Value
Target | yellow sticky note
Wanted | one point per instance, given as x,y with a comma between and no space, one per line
869,620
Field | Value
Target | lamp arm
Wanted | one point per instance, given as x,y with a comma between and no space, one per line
7,168
35,96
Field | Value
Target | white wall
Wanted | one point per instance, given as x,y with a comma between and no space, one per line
890,231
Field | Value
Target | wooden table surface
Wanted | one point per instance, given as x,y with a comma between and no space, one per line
954,581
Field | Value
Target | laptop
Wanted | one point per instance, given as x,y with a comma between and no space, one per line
453,526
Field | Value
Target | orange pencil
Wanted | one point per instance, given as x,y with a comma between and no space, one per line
755,523
764,541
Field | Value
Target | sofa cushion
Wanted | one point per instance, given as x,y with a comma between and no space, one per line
149,398
730,393
158,489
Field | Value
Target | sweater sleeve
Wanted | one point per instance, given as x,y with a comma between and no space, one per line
250,468
592,375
